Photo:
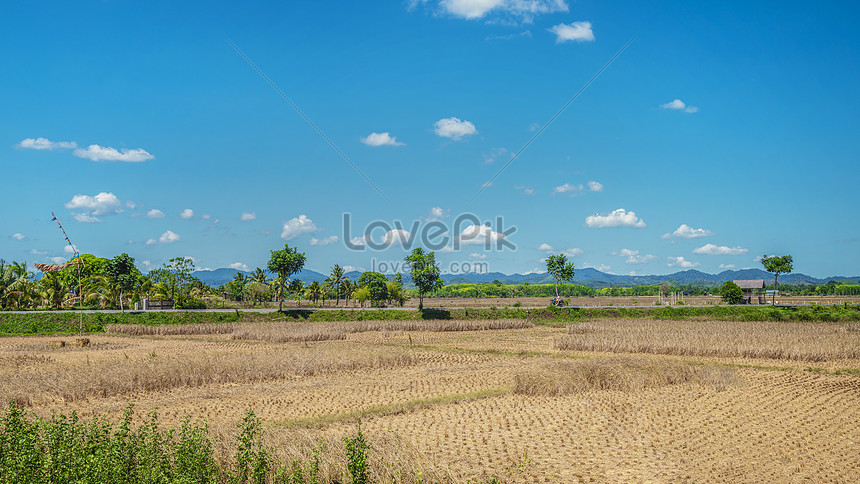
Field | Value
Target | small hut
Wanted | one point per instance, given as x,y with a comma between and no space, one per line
753,290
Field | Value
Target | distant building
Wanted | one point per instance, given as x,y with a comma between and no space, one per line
753,290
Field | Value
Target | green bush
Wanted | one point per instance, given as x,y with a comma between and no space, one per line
731,293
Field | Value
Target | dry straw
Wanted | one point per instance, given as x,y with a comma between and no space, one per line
621,374
759,339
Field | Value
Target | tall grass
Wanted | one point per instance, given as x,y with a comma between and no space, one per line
65,449
159,372
759,339
622,374
315,331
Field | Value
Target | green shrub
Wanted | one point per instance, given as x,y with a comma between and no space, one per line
731,293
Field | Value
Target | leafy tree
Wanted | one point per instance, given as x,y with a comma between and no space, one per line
731,293
424,272
336,280
559,268
285,263
776,265
362,294
394,288
665,288
377,284
122,274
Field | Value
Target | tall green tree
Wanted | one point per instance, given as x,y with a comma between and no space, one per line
297,289
122,274
424,271
336,279
377,284
285,263
560,269
13,278
776,265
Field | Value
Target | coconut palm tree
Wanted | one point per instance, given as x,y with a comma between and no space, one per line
314,292
12,279
52,289
261,276
335,279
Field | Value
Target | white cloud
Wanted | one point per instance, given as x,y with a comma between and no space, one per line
686,232
86,218
633,256
349,268
298,226
19,236
712,249
45,144
324,240
678,105
618,218
568,188
106,153
396,236
246,216
477,256
595,186
576,32
453,128
58,260
680,262
205,216
240,266
151,242
727,266
92,207
381,139
602,267
438,213
70,249
571,252
520,10
168,237
527,190
102,204
479,234
358,241
155,213
38,252
186,214
495,154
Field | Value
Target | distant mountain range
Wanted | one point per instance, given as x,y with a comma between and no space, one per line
587,277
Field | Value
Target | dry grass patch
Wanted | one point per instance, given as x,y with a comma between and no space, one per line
759,339
160,372
285,332
171,329
622,374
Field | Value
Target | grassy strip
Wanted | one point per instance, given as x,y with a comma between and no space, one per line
51,323
392,409
67,449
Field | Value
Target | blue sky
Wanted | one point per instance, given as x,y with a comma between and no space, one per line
723,132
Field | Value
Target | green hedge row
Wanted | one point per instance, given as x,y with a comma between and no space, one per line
59,323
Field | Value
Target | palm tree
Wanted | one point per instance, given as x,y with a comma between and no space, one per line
261,276
52,290
297,287
336,279
314,292
12,279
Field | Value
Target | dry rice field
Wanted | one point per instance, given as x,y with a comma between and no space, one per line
599,401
